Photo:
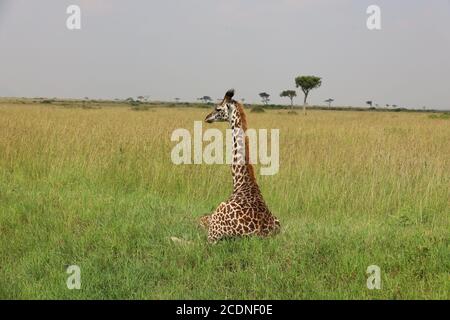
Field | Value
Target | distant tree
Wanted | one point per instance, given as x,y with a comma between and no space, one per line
265,97
291,94
132,101
177,100
205,99
329,101
307,83
140,98
369,103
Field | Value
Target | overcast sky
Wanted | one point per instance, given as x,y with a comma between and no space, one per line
190,48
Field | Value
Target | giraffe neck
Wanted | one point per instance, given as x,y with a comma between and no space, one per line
241,168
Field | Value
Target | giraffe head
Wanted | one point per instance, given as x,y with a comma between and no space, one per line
222,111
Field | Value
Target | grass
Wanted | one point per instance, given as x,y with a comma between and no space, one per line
444,116
96,188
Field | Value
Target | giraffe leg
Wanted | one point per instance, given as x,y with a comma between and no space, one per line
271,227
214,233
212,239
204,221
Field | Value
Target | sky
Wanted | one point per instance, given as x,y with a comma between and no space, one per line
191,48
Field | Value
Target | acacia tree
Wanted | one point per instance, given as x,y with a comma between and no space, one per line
265,97
291,94
369,103
307,83
205,99
329,101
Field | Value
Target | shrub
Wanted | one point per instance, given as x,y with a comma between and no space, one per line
443,116
258,109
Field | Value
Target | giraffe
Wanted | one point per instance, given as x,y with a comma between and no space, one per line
245,213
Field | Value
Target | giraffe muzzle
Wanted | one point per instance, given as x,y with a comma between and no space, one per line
210,118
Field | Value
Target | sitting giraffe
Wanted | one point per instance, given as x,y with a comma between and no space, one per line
245,213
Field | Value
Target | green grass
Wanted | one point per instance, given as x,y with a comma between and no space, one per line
96,188
443,116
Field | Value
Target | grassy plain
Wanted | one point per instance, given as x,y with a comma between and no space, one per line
96,188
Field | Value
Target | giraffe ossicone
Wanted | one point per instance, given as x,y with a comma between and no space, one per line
245,213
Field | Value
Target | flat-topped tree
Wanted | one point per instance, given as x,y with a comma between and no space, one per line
291,94
265,97
307,83
329,101
205,99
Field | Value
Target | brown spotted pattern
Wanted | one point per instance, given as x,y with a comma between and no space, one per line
245,213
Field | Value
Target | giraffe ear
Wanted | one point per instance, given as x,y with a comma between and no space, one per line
229,95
